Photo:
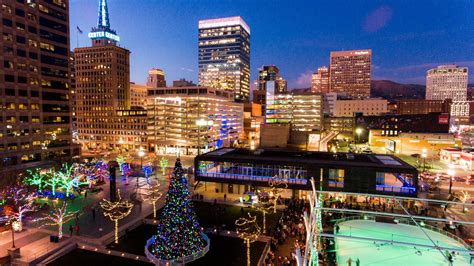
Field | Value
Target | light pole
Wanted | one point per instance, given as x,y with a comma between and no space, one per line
15,227
141,153
451,174
424,155
358,132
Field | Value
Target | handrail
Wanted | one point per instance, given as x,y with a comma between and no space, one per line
182,260
430,227
299,181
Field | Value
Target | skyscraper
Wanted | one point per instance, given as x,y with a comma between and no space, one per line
269,82
104,119
350,73
156,78
320,80
35,97
447,82
224,56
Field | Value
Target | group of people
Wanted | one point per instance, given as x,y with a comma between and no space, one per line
291,225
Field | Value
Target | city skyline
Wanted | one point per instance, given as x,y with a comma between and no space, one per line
299,46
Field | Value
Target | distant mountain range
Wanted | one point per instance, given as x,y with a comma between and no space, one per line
391,90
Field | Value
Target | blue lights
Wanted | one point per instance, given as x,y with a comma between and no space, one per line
103,30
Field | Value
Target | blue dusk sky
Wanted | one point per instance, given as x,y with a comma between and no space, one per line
407,37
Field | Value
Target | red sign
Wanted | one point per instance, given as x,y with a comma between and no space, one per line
443,119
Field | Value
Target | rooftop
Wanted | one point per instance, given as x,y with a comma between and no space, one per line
303,157
223,22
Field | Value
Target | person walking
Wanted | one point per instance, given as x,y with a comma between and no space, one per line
70,230
357,262
77,229
349,262
225,197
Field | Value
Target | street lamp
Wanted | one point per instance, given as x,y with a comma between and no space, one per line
424,155
358,132
141,153
15,227
451,173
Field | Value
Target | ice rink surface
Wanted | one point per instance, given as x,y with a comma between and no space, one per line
385,254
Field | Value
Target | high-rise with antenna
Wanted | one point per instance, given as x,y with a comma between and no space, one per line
104,119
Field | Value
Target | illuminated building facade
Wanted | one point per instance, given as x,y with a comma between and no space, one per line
192,120
447,82
421,106
104,118
156,78
138,94
35,96
320,80
269,82
371,106
253,119
303,110
224,56
350,73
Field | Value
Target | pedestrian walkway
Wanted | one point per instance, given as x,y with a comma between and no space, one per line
21,239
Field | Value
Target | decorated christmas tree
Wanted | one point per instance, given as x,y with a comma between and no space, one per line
179,234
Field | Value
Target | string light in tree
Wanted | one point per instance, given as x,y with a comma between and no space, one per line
277,186
265,204
116,211
163,164
23,202
54,181
152,196
59,215
249,231
37,178
68,180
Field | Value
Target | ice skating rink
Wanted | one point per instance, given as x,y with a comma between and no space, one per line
386,254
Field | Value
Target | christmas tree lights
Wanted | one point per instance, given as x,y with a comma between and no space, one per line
179,237
116,211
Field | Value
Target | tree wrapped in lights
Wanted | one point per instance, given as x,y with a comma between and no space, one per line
179,236
116,210
265,204
37,178
126,171
54,181
147,170
120,160
163,164
20,201
68,179
248,230
152,196
277,186
59,215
